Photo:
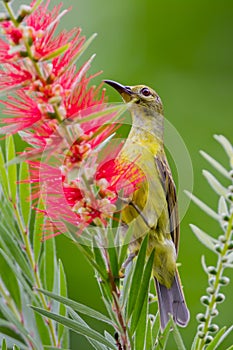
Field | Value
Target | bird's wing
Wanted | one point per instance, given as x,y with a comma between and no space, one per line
170,191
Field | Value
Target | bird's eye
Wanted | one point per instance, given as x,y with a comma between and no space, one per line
145,92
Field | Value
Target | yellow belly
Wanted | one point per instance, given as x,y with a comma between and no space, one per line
150,199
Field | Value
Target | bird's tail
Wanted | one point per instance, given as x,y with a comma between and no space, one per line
171,302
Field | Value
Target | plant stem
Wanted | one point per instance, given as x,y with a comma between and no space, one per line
219,272
124,345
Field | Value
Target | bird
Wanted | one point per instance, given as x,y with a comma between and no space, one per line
153,209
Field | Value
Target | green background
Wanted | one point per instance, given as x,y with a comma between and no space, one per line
183,49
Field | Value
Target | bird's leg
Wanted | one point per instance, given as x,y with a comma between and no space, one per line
128,260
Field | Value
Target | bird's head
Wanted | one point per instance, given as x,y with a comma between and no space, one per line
141,95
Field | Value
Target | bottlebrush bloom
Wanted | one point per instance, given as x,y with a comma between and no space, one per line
80,202
63,118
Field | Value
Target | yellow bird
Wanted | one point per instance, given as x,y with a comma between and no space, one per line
153,208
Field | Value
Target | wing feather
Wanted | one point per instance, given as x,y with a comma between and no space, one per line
170,191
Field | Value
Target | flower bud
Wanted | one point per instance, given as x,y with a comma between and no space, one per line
213,328
211,270
208,339
222,239
224,280
220,298
205,300
218,248
230,245
201,335
214,313
211,281
200,318
210,290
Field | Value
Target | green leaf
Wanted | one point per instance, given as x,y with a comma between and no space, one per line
140,334
143,292
18,325
177,337
83,309
25,194
125,245
155,329
10,341
15,347
12,248
10,281
55,53
20,277
215,184
62,292
112,255
163,337
11,169
137,277
194,343
3,175
149,342
4,347
202,205
227,147
42,328
99,262
203,237
216,165
94,343
75,326
49,266
37,231
219,337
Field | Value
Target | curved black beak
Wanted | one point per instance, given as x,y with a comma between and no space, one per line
119,87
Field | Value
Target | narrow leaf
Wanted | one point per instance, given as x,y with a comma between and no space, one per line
203,237
55,53
25,194
13,250
137,276
216,164
9,279
112,254
76,327
202,205
140,334
125,245
4,347
94,343
11,169
227,147
163,337
83,309
215,184
177,337
3,175
49,245
62,292
143,292
219,337
37,231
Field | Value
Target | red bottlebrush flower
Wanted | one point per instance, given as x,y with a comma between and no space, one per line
81,203
24,112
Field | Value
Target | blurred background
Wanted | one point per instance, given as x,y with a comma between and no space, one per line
184,51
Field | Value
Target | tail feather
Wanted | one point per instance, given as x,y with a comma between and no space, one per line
171,302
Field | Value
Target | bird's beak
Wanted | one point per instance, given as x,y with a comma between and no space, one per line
125,91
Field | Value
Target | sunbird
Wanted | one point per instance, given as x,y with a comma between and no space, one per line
153,209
